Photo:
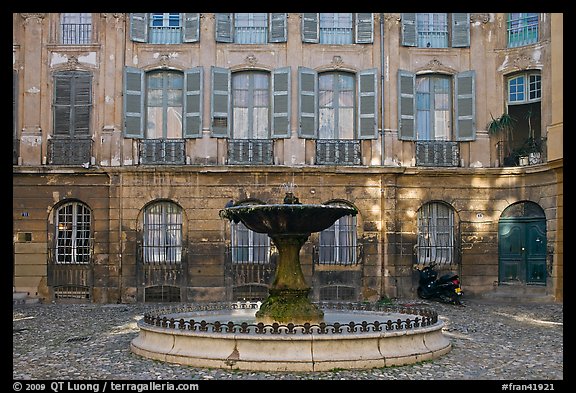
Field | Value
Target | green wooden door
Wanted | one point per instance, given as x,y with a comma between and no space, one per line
522,250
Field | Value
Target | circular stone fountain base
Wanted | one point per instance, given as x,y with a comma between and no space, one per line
365,339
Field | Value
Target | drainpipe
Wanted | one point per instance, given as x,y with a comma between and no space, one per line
382,154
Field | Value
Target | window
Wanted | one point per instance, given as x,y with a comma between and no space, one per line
436,234
433,108
338,243
251,28
73,234
76,29
436,107
523,88
436,30
165,28
338,28
522,29
162,104
249,246
257,102
162,234
337,104
251,105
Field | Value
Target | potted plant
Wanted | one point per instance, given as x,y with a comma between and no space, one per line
503,127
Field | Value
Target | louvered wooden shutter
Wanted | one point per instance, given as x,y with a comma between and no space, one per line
139,27
191,27
224,27
220,103
192,119
62,103
133,103
367,104
406,105
307,103
82,97
310,27
465,106
409,29
277,27
281,103
460,30
364,28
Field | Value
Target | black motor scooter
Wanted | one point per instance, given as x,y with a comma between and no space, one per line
445,289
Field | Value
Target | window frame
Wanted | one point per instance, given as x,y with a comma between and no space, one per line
169,234
79,28
66,234
428,245
341,247
523,29
526,90
246,245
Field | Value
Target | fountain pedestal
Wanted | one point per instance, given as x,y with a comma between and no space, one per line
288,299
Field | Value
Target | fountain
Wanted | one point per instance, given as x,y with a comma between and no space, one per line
288,332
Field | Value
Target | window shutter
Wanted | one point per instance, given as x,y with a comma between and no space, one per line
307,103
82,96
62,103
277,27
281,103
191,27
367,104
139,27
460,30
364,28
406,105
133,103
220,103
310,27
192,119
409,29
465,106
224,27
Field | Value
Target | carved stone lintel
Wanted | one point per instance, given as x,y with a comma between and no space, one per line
337,62
523,61
436,65
482,18
38,17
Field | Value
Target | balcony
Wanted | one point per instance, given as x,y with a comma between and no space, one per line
437,153
162,151
250,152
69,151
338,152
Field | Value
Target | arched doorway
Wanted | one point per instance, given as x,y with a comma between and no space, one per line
522,244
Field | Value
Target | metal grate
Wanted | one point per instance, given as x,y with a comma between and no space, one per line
250,151
162,151
437,153
338,152
69,151
162,293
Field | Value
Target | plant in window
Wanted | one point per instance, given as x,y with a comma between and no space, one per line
503,127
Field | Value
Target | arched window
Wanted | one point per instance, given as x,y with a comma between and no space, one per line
436,234
338,243
162,234
249,246
72,235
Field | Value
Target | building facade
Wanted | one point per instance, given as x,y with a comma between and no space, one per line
132,131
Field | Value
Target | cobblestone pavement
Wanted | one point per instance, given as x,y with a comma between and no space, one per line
491,341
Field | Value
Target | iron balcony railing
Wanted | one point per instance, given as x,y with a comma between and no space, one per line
437,153
162,151
69,150
76,33
338,152
250,152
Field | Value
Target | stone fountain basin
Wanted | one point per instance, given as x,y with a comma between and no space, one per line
287,218
297,351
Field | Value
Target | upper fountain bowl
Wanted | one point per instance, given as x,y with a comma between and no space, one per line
287,218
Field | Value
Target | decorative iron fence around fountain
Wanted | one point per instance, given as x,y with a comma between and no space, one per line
423,317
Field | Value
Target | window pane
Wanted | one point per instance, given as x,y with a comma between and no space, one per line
336,28
432,30
250,28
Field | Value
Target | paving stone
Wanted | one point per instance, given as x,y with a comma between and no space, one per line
491,341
